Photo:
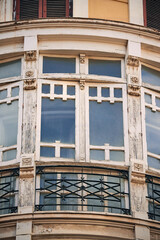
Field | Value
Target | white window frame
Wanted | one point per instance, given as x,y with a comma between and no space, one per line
8,100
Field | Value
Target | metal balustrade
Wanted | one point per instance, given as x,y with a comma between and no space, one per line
82,189
8,191
153,184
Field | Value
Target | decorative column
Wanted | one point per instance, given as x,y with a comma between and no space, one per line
27,165
138,188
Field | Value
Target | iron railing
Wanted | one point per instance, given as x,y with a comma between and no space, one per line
153,184
8,190
82,189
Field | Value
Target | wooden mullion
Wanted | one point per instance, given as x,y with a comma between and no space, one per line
145,13
40,8
44,8
67,8
17,9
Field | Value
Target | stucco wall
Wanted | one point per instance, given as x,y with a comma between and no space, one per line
109,9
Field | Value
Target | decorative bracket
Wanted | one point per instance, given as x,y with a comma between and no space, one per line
30,55
82,58
30,84
82,84
133,61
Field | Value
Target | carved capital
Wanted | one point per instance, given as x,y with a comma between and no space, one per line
134,90
29,74
133,61
137,177
82,84
27,172
30,55
82,58
29,84
138,167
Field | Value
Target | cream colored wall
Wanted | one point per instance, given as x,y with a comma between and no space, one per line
109,9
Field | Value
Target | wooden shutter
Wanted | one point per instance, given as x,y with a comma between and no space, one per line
153,13
56,8
29,9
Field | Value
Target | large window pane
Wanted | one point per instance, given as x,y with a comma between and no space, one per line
10,69
8,124
105,67
150,76
153,130
106,123
58,121
58,65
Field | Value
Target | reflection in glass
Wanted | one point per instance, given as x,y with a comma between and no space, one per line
117,93
8,124
58,89
105,67
58,65
92,91
58,121
9,155
150,76
45,88
15,91
3,94
10,69
70,90
148,98
157,102
97,155
117,156
106,123
67,153
47,152
105,92
153,162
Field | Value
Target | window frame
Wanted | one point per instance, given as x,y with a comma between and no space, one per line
8,100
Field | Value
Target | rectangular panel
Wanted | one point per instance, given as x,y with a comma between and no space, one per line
150,76
59,65
10,69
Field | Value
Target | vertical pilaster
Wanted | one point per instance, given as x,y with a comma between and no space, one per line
6,9
80,8
137,170
136,12
82,138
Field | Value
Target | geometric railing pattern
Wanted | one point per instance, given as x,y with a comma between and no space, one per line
153,184
82,189
8,190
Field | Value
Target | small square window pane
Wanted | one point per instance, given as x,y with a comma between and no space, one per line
3,94
97,155
47,152
67,153
58,89
117,93
45,88
153,162
92,91
70,90
158,102
148,98
9,155
105,92
15,91
117,156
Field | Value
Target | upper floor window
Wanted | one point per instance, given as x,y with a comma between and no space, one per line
10,69
151,13
10,106
150,76
33,9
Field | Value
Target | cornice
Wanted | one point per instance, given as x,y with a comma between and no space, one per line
81,23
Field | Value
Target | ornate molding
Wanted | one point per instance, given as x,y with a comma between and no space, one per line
133,61
134,90
82,84
30,55
29,73
82,58
137,177
30,84
27,172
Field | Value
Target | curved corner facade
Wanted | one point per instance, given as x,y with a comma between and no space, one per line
79,121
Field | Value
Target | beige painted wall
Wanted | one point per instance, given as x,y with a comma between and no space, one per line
109,9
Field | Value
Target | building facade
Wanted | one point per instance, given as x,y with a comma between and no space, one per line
79,119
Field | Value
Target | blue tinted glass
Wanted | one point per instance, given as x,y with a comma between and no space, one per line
117,156
69,202
158,102
15,91
45,88
153,162
70,90
48,180
105,92
58,89
49,201
67,153
47,152
97,155
58,65
3,94
153,130
148,98
10,69
92,91
58,121
117,93
106,123
9,155
150,76
103,67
